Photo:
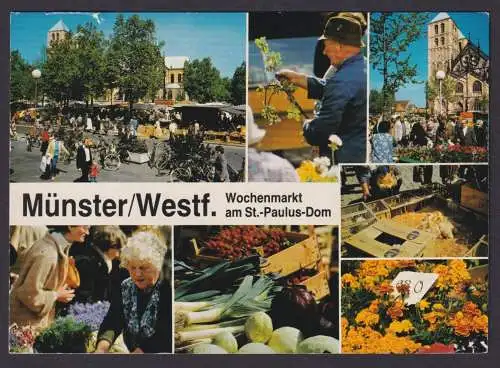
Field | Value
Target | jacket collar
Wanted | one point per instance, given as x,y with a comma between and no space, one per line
61,243
350,60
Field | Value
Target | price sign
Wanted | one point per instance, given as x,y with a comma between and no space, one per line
415,284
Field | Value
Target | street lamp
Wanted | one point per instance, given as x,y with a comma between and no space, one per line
36,74
440,76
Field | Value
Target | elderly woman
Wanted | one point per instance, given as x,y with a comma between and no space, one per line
141,308
98,264
42,278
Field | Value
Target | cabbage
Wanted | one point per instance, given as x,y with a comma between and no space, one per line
227,341
255,348
208,349
259,327
319,345
285,340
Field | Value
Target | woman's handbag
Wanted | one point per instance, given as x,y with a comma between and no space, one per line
73,278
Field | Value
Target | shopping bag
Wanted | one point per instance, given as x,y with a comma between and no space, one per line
44,163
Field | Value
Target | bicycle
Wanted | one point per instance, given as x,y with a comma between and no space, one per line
109,157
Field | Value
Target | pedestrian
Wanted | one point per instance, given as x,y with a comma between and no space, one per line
84,160
382,144
95,169
88,125
43,278
221,170
54,149
342,94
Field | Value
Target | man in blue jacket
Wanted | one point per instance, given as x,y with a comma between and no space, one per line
342,93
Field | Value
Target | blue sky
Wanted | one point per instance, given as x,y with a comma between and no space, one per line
477,24
222,36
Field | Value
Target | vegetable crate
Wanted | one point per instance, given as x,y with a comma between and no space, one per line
388,239
355,218
317,285
380,209
304,253
479,273
474,199
406,202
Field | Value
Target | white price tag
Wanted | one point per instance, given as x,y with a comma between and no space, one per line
418,283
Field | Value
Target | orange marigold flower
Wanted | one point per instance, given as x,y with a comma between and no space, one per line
404,326
348,280
471,309
367,318
385,288
396,310
480,324
374,306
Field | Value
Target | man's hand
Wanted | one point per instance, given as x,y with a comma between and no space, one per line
298,79
102,347
366,191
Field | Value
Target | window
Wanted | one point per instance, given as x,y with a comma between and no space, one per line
436,42
476,87
57,36
169,94
172,78
459,88
53,36
442,27
436,29
179,78
442,41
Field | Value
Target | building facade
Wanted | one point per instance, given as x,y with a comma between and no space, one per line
459,58
174,79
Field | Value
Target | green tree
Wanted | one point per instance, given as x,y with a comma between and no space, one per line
137,54
391,34
203,83
90,48
22,84
61,72
238,85
448,88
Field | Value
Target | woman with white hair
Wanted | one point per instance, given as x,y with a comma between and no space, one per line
142,307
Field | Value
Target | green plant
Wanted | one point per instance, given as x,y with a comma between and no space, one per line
65,335
272,62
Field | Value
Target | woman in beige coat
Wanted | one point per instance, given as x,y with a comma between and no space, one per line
42,278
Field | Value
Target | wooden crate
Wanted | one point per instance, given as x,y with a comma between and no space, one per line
474,199
479,273
379,209
300,255
355,218
406,202
303,253
381,240
480,249
317,285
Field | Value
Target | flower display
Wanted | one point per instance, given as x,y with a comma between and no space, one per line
443,153
451,316
90,314
317,171
21,339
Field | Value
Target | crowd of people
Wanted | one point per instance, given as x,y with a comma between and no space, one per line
73,135
127,266
417,131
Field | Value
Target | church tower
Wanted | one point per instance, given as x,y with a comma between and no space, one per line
57,33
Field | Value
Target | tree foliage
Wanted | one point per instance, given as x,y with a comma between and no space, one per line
137,53
22,84
448,88
391,34
238,85
203,83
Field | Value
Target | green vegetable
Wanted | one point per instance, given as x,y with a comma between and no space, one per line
65,335
182,337
285,340
259,327
319,345
250,297
256,348
208,349
227,341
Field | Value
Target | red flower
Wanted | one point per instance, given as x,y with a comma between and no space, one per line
437,348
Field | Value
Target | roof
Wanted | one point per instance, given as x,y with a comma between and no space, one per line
460,35
175,62
440,16
59,26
